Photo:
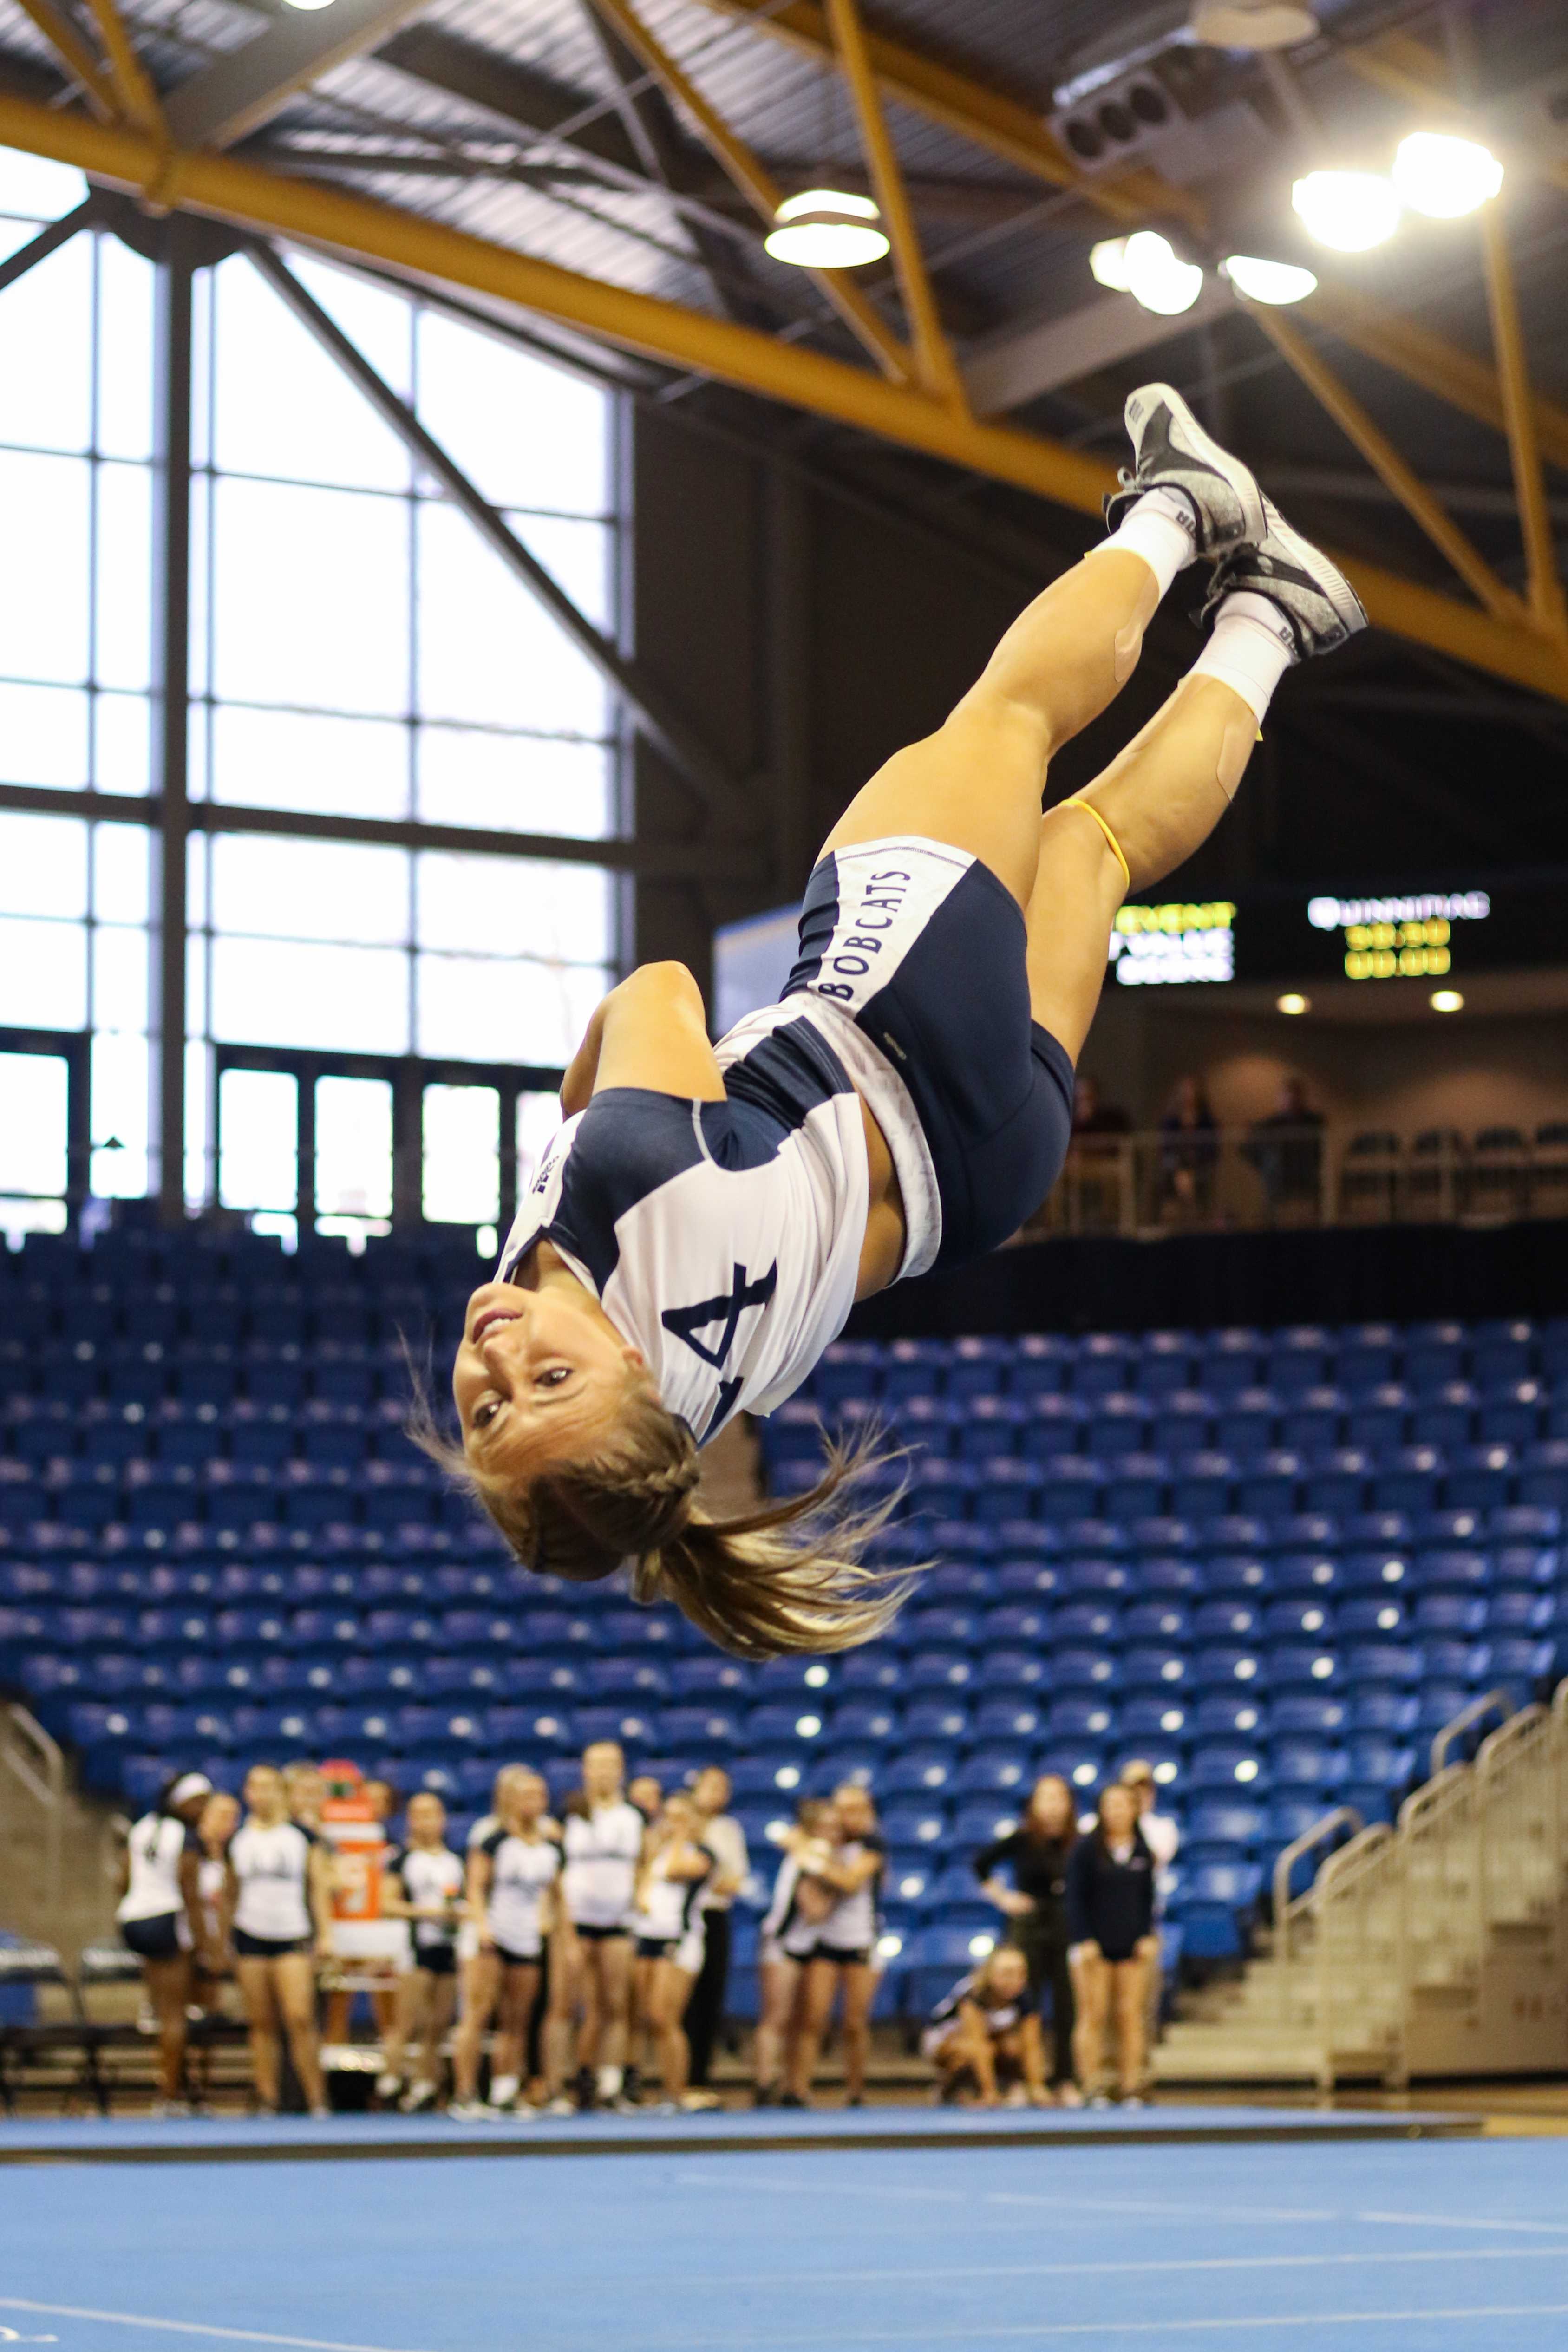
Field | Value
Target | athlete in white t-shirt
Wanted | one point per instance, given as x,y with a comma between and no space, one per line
839,1949
699,1228
677,1869
512,1895
281,1910
602,1837
159,1917
422,1881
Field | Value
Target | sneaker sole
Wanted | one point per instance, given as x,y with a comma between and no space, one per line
1325,573
1224,461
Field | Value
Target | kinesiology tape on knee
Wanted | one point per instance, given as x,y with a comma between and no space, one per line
1111,841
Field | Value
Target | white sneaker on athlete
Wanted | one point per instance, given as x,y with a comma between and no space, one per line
1171,452
560,2106
423,2094
504,2089
468,2111
388,2085
1317,600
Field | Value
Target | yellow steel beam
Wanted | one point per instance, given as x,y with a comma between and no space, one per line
933,354
138,101
987,118
1457,376
422,250
1387,464
757,185
74,55
1546,603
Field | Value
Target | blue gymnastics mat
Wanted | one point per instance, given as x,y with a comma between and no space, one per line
141,2138
1378,2244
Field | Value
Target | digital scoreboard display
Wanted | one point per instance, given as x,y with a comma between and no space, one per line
1514,923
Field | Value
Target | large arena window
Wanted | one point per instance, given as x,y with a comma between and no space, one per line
356,650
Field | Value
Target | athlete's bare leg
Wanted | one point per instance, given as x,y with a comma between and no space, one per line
1161,797
977,781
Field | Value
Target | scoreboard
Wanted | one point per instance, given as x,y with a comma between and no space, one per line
1514,922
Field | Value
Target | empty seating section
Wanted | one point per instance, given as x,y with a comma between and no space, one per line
1274,1563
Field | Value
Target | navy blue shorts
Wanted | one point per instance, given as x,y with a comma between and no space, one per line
923,947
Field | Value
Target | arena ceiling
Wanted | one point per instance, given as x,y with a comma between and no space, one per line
597,173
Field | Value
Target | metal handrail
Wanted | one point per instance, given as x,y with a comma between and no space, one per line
1285,1862
37,1764
1465,1721
1493,1750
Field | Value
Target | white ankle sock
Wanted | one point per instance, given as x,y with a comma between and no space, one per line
1159,527
1250,648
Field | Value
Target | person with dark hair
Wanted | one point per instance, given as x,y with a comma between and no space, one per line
644,1792
699,1228
1025,1875
281,1907
988,2029
1111,1925
1286,1149
160,1917
1189,1148
726,1841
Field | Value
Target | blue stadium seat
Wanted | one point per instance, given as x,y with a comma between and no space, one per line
1144,1668
1313,1714
1394,1712
915,1823
1162,1623
1230,1766
1008,1719
1302,1618
1085,1622
1238,1574
1218,1896
1301,1764
1219,1822
1227,1620
1388,1664
1015,1671
920,1772
1070,1718
1087,1669
1226,1714
934,1669
1367,1616
1144,1717
866,1720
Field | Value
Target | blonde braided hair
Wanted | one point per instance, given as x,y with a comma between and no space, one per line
750,1588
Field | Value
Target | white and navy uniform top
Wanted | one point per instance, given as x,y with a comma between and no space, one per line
723,1239
780,1912
671,1911
1000,2016
154,1851
521,1871
429,1874
854,1924
273,1868
603,1848
212,1879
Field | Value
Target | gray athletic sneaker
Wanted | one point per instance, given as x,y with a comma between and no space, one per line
1316,599
1175,453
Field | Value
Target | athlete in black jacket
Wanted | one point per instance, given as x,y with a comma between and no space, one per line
1111,1929
1025,1875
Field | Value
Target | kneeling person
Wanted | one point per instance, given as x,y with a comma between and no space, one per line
985,2030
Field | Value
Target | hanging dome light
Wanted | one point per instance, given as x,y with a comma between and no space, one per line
1351,211
1250,23
826,228
1445,177
1157,276
1267,281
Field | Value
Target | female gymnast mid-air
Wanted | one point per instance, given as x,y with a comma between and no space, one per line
700,1226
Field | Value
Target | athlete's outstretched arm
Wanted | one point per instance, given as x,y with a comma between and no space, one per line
652,1031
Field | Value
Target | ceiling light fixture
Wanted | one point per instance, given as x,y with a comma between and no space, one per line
1158,277
1351,211
826,228
1108,264
1293,1002
309,5
1442,177
1250,23
1446,1000
1267,281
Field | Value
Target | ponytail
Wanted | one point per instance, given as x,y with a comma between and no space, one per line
785,1580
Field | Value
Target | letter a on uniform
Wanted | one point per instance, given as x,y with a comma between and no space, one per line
685,1322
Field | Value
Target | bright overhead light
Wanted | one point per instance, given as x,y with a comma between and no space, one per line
309,5
826,228
1446,1000
1351,211
1250,23
1442,177
1268,281
1293,1002
1108,264
1158,277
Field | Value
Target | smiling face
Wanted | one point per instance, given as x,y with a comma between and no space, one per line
540,1377
1007,1975
427,1820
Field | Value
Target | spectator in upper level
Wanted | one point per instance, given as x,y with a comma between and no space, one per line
1025,1875
1286,1149
1189,1146
1110,1924
1093,1117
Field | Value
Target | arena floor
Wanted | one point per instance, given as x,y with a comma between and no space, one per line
1394,2234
